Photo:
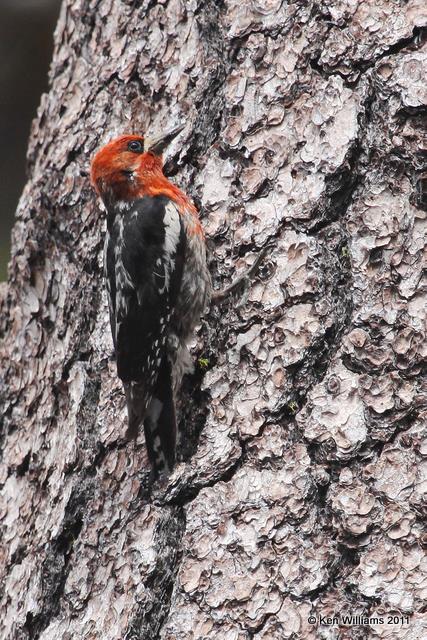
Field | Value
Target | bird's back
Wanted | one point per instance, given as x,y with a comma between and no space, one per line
158,286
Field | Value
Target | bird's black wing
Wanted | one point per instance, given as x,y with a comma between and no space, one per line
144,263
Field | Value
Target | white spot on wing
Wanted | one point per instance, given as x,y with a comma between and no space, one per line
123,206
172,228
106,243
172,225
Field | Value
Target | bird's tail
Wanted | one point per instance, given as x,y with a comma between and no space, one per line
155,409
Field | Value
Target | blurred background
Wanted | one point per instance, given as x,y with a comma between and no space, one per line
26,44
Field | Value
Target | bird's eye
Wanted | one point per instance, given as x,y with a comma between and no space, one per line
136,146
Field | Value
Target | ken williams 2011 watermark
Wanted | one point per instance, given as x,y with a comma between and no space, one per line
349,620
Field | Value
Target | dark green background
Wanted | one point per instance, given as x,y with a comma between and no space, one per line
26,42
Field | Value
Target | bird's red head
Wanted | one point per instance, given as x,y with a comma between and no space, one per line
128,168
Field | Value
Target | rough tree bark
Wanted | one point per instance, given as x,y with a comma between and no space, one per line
301,493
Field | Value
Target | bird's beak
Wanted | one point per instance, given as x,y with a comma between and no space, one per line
158,145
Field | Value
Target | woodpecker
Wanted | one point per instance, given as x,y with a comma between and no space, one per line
158,283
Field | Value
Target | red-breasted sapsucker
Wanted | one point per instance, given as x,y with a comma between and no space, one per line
158,283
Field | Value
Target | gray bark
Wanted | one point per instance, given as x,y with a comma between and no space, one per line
301,490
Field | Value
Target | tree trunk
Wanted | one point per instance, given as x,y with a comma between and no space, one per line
300,493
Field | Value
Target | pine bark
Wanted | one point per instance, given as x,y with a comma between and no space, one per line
300,492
